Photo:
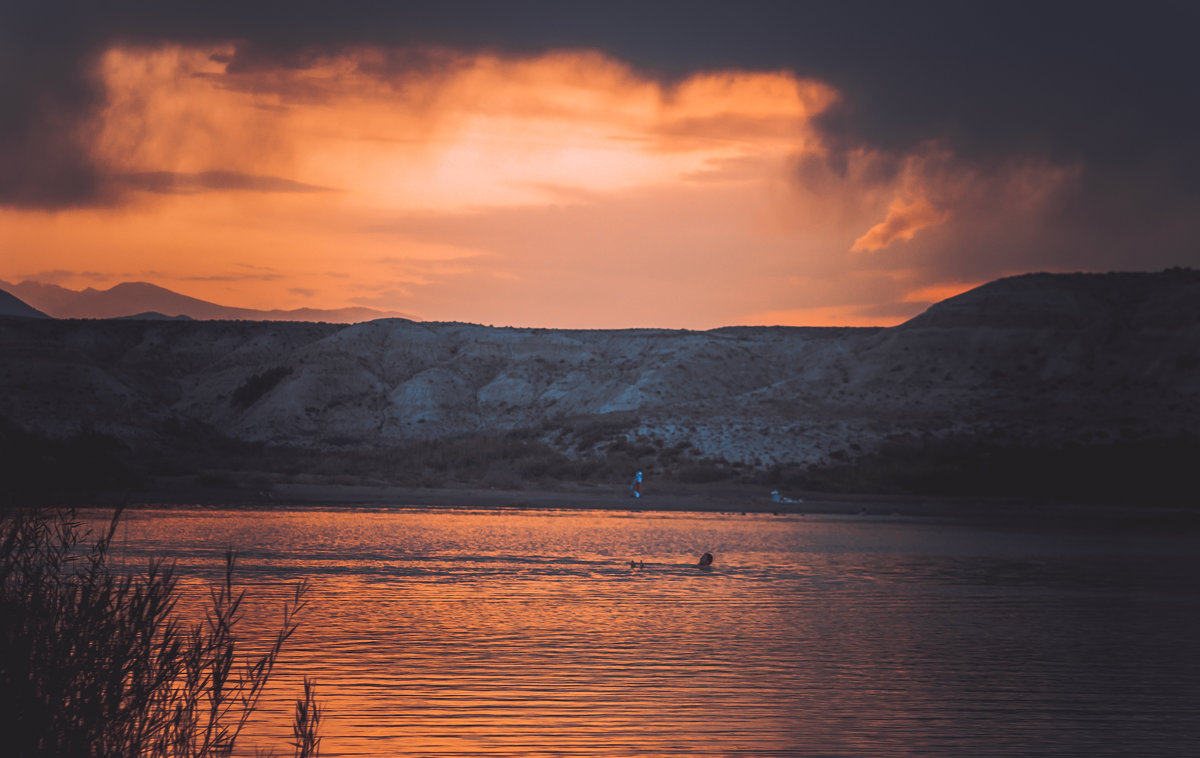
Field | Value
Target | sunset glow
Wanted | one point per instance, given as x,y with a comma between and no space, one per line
562,189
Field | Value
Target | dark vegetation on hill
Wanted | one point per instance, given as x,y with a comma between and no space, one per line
1079,387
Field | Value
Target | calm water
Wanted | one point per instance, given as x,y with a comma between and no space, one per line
498,633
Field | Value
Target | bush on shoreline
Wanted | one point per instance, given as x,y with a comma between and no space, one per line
93,662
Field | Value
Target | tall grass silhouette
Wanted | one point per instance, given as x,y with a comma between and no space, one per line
97,662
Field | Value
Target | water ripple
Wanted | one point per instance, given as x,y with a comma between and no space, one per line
524,633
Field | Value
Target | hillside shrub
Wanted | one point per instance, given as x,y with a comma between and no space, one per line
251,390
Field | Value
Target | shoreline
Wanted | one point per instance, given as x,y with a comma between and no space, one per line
725,498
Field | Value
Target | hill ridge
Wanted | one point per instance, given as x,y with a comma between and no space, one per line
1010,374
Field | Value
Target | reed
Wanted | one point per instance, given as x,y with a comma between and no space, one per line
97,662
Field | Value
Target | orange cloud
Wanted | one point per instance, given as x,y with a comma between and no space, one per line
904,219
473,130
564,189
298,168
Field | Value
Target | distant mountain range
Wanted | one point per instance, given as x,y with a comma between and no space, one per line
149,301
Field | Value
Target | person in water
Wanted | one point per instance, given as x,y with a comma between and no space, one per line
705,560
637,485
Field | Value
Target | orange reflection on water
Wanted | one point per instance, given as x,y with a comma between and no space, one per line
505,633
519,634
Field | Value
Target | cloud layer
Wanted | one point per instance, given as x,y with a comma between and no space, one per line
597,165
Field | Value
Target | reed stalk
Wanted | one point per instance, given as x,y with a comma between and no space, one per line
97,662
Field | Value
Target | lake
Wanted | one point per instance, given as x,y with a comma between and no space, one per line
460,632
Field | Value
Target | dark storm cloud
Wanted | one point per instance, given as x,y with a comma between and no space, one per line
45,95
1112,90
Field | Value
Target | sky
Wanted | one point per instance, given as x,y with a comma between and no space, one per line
595,165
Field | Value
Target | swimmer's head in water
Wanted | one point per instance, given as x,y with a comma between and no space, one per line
706,559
